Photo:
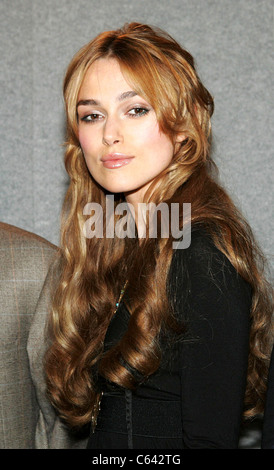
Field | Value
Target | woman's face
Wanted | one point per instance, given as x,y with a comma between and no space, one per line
118,132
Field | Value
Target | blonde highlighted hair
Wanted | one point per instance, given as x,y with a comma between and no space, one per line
93,270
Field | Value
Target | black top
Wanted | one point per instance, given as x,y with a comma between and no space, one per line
195,399
268,424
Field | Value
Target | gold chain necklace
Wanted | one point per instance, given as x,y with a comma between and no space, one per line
120,297
98,399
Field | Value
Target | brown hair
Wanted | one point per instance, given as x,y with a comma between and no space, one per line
93,270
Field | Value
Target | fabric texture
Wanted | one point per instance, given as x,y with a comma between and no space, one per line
268,422
24,261
50,432
202,376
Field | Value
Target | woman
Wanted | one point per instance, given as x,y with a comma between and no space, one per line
156,347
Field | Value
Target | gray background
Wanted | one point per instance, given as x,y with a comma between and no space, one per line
232,42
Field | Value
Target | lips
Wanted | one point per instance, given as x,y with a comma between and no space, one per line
116,160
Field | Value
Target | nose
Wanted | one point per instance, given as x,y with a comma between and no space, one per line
112,132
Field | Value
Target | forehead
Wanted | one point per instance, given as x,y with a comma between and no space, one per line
104,77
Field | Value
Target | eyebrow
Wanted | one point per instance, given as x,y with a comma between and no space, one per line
91,102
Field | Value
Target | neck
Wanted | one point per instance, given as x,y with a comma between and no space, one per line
139,216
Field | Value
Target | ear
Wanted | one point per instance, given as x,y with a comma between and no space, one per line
180,138
178,141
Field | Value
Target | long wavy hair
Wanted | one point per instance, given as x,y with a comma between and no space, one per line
93,270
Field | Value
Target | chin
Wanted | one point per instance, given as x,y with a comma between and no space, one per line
117,187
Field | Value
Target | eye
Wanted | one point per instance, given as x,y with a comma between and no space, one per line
138,111
93,117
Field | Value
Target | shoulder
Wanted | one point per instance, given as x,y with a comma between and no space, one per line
23,254
202,271
202,256
18,244
12,235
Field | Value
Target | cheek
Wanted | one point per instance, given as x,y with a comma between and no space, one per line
86,141
150,135
162,146
155,138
